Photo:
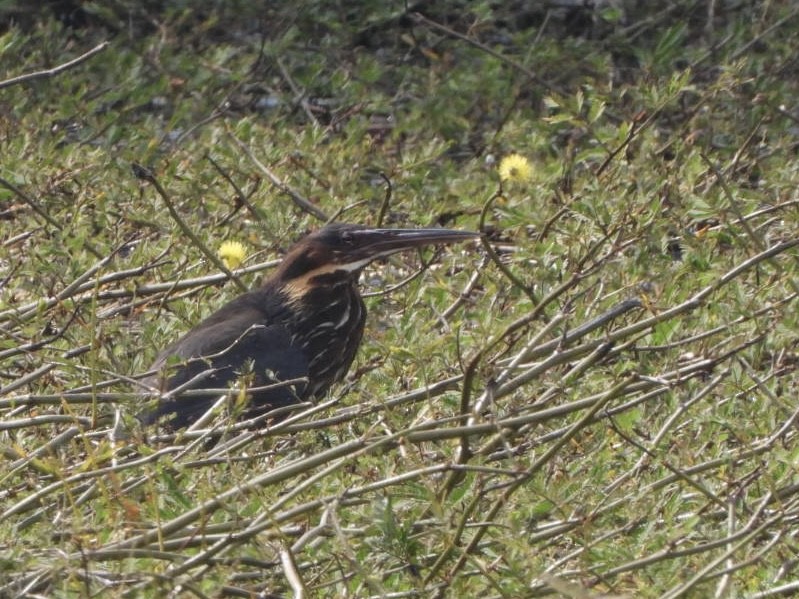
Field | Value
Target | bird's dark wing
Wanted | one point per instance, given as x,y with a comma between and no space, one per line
236,346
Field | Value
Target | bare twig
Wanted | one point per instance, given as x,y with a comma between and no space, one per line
381,215
83,294
32,203
420,18
147,175
299,94
55,70
301,202
517,282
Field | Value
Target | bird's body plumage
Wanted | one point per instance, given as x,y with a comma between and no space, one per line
306,322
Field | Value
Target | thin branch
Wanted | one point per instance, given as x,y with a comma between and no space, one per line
420,18
147,175
301,202
55,70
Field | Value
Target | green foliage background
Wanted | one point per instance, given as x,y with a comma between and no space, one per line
484,444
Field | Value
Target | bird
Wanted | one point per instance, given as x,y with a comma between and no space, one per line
304,326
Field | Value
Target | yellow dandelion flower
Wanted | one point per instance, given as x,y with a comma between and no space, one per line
515,167
232,253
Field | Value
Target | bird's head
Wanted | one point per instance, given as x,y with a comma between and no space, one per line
337,253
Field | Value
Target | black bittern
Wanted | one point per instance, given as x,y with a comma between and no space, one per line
306,322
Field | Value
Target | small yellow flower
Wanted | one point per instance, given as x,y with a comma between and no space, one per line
232,253
515,167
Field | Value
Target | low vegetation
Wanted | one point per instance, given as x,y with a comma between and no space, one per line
597,399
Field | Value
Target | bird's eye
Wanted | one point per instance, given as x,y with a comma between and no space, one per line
347,238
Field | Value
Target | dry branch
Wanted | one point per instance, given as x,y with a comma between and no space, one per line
47,73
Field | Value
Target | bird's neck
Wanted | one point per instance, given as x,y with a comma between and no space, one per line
326,323
316,283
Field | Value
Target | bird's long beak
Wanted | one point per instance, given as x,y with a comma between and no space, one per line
382,242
